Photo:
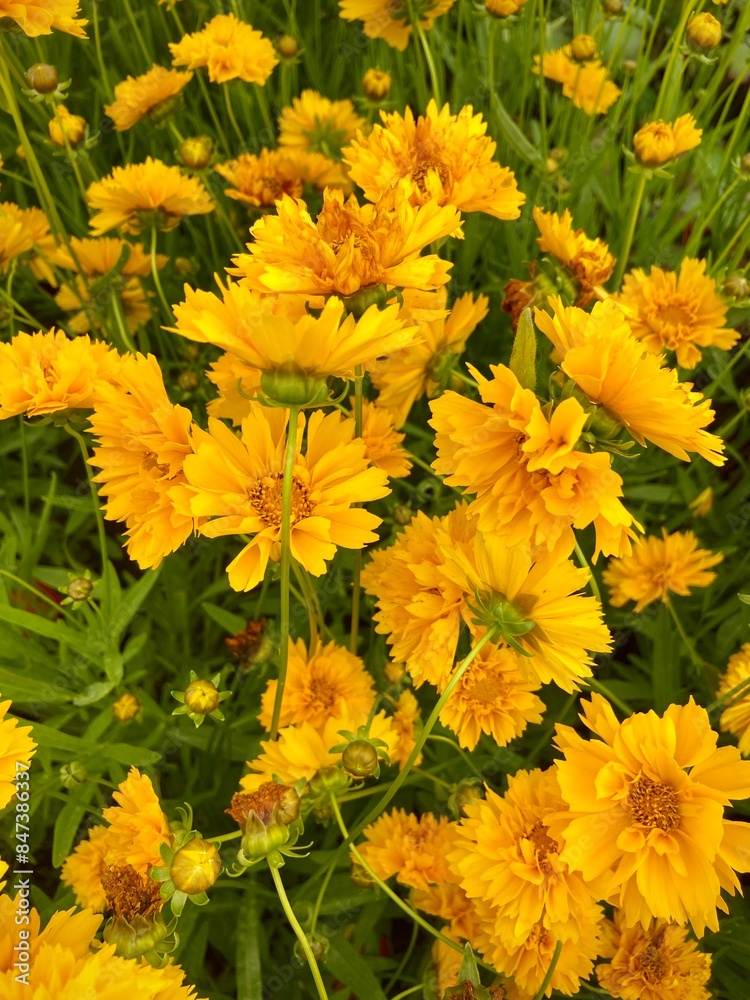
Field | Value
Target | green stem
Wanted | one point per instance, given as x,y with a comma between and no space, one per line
157,280
25,470
225,836
550,972
635,210
604,690
450,687
409,992
695,658
429,60
121,323
309,605
231,115
286,560
585,565
321,896
95,498
357,573
542,22
301,936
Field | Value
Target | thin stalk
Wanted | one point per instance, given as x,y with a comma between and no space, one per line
70,154
157,280
309,605
301,936
410,992
95,499
136,29
429,60
585,565
542,24
120,322
226,836
321,896
357,573
25,469
695,657
377,809
604,690
231,115
635,211
550,972
286,560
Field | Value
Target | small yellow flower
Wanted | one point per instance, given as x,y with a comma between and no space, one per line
42,17
262,179
735,718
659,142
376,84
126,707
503,8
390,19
586,84
657,567
589,260
383,442
152,94
66,129
229,48
704,32
313,122
413,848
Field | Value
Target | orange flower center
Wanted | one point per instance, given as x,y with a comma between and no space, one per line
543,845
654,804
323,693
265,496
422,169
651,961
490,689
130,894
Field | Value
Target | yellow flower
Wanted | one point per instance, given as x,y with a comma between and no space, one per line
611,367
406,719
646,808
142,442
735,718
263,179
149,94
45,373
16,748
67,963
587,84
503,8
677,311
383,442
238,482
439,157
389,19
66,129
376,84
413,848
704,32
404,376
523,464
126,707
653,963
321,684
144,194
276,335
42,17
506,854
21,230
312,122
702,504
350,247
237,382
229,48
495,696
136,829
302,751
589,261
660,566
660,141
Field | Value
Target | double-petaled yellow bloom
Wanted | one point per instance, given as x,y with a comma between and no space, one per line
413,848
586,83
42,17
229,48
735,718
151,94
16,750
588,260
390,19
659,142
316,124
261,180
436,157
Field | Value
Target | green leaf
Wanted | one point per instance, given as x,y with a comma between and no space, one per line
132,599
513,135
39,625
229,622
352,969
123,753
523,355
23,689
249,972
469,969
68,820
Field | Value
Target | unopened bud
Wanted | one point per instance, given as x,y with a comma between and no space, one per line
73,774
80,589
376,84
318,946
360,759
736,286
287,47
612,6
202,697
704,32
196,152
42,78
195,867
126,707
402,514
188,381
583,48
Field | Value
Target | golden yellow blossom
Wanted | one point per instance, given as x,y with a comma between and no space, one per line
589,260
229,48
66,129
42,17
413,848
261,180
148,94
586,84
16,748
735,718
313,122
659,142
389,19
383,442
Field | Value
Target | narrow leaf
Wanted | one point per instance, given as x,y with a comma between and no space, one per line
523,355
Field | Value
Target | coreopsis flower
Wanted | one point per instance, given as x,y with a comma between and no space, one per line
406,719
278,338
586,84
141,195
321,684
376,84
142,442
704,32
383,447
229,48
495,697
646,805
312,122
67,961
16,748
261,180
46,373
588,260
95,258
239,482
126,707
151,94
42,17
439,156
657,962
426,366
678,311
66,129
351,247
413,848
735,718
658,567
600,353
507,855
136,828
531,479
389,19
22,230
659,142
302,751
503,8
